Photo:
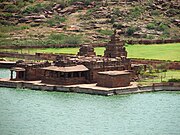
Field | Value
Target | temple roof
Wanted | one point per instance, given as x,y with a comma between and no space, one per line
17,69
77,68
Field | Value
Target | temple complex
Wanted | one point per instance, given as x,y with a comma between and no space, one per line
85,67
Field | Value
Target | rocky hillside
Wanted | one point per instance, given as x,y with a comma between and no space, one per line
40,22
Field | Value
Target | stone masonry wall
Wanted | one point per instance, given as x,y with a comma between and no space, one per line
113,81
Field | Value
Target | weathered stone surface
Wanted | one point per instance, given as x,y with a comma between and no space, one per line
115,48
113,79
70,9
86,50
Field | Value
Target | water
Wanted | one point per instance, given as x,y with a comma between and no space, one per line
4,73
27,112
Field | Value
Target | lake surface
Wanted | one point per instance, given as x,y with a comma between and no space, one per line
28,112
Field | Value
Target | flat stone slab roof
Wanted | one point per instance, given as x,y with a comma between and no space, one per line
77,68
17,69
113,73
7,62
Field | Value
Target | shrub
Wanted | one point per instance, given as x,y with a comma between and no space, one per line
31,1
56,20
34,9
57,36
11,8
165,34
105,32
150,36
155,12
34,24
23,27
174,80
130,31
3,35
6,23
151,26
91,10
64,39
86,2
112,20
20,3
7,15
72,40
162,27
136,12
117,25
6,29
116,12
172,12
157,26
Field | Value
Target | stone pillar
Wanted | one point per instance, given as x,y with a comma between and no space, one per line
52,74
80,74
71,74
11,74
24,75
58,74
65,75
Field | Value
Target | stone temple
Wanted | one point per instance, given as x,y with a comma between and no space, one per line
111,70
115,48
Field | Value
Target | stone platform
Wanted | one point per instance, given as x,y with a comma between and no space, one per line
89,88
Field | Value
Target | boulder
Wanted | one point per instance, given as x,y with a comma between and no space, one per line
23,20
57,6
176,22
70,9
139,34
36,17
61,25
39,20
74,28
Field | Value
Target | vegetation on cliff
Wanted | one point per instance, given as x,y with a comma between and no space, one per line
40,22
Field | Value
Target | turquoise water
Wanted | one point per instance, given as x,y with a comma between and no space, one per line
4,73
28,112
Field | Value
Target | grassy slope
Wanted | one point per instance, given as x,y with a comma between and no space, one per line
161,52
131,16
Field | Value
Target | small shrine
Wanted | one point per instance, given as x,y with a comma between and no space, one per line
115,48
112,79
86,50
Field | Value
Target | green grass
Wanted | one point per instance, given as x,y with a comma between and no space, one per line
161,52
165,77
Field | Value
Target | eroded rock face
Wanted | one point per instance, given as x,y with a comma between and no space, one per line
176,22
32,18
